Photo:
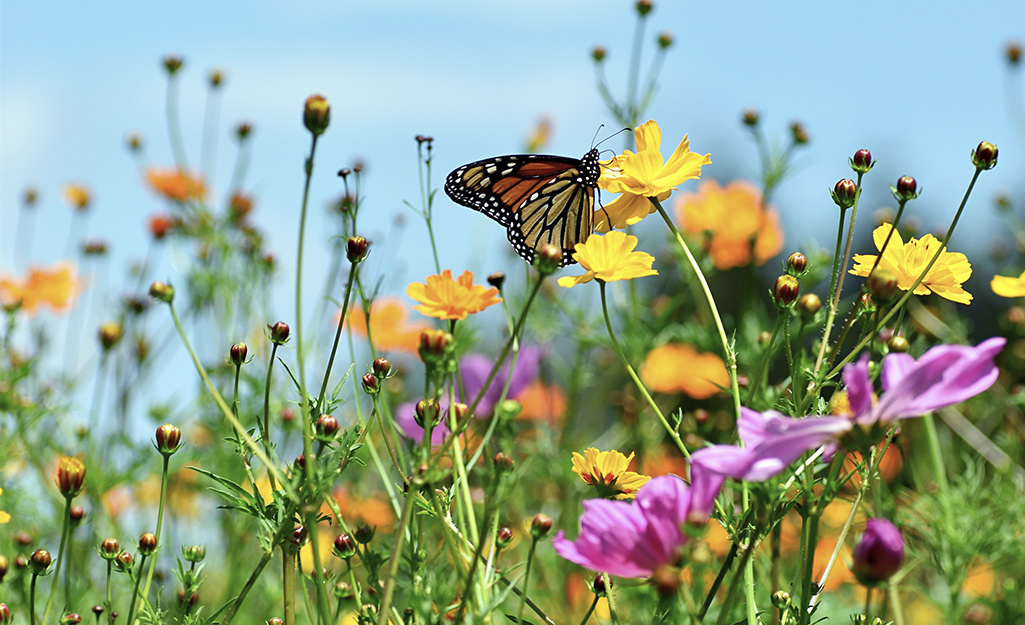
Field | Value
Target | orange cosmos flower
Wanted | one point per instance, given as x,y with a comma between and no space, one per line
445,298
77,196
159,225
54,287
606,471
737,229
175,184
680,368
908,260
389,325
542,402
374,511
644,174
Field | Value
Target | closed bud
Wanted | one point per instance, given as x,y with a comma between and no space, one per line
599,585
70,476
237,354
39,561
906,189
76,513
371,384
172,63
808,305
23,539
327,428
216,78
862,161
764,337
665,39
364,534
5,615
97,610
880,552
342,590
866,304
456,412
169,439
844,193
124,562
381,367
799,133
276,620
503,463
356,249
666,581
540,525
243,129
5,566
598,53
424,139
750,117
316,114
278,333
504,538
110,333
548,259
194,553
427,413
162,291
643,7
434,344
134,141
898,344
148,544
1013,53
882,284
71,618
344,548
110,549
780,599
797,264
497,280
785,290
985,156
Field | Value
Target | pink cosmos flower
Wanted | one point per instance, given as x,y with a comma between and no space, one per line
631,539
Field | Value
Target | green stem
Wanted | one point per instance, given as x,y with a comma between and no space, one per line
338,336
757,378
731,594
160,521
265,434
670,430
60,560
396,558
526,579
731,358
288,583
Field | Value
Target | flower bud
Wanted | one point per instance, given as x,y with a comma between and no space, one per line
427,413
124,562
799,133
434,344
381,368
456,412
985,156
5,614
882,284
1013,53
599,585
76,513
898,344
316,114
194,553
880,552
98,610
764,337
148,544
237,354
276,620
96,247
5,565
496,280
866,304
540,525
364,534
23,539
278,333
503,463
665,39
548,259
168,439
71,618
326,428
906,189
844,193
160,225
504,538
70,476
643,7
808,305
342,590
797,264
161,291
356,249
780,599
172,63
20,562
110,549
371,385
750,117
598,53
39,561
344,547
243,129
786,290
216,78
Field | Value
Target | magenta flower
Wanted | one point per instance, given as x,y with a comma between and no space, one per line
631,539
880,552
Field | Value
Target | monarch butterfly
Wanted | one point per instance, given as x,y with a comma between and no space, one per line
539,199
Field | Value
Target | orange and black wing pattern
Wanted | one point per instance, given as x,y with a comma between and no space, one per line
539,199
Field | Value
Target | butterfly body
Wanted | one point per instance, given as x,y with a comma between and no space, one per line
539,199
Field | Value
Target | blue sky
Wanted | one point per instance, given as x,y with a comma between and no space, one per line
918,83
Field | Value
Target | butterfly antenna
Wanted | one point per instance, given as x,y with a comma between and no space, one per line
595,137
615,134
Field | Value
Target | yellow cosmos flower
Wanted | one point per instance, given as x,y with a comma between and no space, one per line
680,368
908,260
445,298
4,517
608,258
77,196
607,472
643,175
53,287
1006,286
735,227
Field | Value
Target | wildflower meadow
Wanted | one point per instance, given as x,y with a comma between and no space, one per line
659,395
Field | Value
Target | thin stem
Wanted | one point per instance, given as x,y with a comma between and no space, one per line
338,336
757,378
173,127
396,558
160,521
60,560
526,579
735,583
265,434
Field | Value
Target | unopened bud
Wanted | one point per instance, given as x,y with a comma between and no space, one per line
548,259
168,439
844,193
316,114
985,156
71,618
665,39
750,117
381,367
503,463
599,585
540,525
5,615
504,538
1013,53
161,291
862,161
882,284
808,305
797,264
356,249
110,549
799,133
898,344
147,544
216,78
39,561
906,189
327,428
598,53
243,129
70,476
364,534
172,63
275,620
124,562
371,384
344,548
434,344
194,553
780,599
496,280
785,290
278,333
237,354
427,413
643,7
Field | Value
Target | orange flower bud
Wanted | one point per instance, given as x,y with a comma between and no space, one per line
70,476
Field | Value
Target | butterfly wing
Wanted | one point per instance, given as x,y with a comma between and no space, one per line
539,199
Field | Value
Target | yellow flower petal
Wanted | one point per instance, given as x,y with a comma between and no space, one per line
609,258
1005,286
607,472
445,298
